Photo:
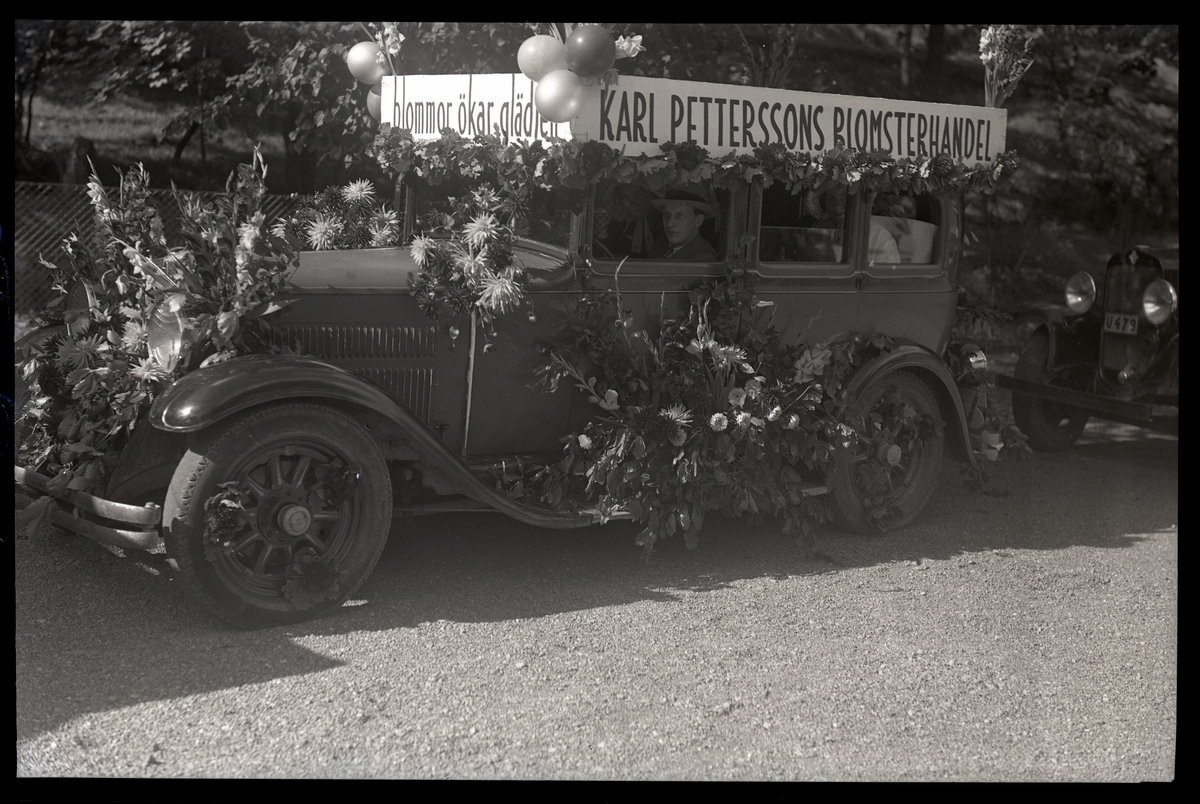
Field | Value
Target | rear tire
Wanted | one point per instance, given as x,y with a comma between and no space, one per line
872,494
308,513
1050,426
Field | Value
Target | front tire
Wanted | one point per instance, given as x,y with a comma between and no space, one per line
279,515
1050,426
885,476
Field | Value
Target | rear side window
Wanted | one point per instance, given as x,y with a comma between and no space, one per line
802,227
903,229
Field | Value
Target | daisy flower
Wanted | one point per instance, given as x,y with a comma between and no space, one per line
322,233
718,422
359,192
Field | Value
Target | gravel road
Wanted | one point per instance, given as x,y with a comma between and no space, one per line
1029,634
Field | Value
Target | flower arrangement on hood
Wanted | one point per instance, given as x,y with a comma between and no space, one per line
465,261
352,216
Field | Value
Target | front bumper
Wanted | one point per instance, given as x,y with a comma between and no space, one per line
117,524
1160,418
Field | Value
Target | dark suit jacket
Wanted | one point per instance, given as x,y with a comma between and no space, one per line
697,250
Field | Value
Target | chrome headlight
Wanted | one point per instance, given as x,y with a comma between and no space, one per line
1081,292
1159,301
166,332
77,311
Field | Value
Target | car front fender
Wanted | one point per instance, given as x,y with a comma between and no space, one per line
1073,337
207,395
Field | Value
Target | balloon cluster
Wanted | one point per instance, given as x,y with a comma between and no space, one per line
369,61
559,68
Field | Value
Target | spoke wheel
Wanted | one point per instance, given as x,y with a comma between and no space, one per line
279,515
1051,426
886,474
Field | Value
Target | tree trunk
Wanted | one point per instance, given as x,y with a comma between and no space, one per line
933,70
183,142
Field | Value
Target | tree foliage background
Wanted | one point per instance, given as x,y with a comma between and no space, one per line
1095,120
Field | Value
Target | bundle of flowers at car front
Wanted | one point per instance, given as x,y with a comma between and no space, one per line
715,413
220,283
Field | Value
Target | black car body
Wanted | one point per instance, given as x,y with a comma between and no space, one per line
1112,351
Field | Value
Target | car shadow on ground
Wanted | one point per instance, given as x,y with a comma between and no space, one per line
97,630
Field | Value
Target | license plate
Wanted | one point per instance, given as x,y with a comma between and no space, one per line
1121,324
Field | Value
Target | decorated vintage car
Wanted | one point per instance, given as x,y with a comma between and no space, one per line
1111,351
280,474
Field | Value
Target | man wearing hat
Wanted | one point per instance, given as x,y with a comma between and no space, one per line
683,213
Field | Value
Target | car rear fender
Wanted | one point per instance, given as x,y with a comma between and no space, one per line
929,367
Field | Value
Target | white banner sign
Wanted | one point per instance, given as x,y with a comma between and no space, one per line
638,114
499,104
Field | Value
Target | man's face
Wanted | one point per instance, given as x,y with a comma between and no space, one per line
681,222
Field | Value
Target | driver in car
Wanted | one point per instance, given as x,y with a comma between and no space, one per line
683,214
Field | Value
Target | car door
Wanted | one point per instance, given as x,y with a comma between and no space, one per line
807,259
910,250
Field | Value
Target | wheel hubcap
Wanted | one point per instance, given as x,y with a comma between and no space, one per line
294,519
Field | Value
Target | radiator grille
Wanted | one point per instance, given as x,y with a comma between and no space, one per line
334,342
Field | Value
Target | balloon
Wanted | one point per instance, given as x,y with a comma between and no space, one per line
375,100
540,55
590,51
363,66
559,96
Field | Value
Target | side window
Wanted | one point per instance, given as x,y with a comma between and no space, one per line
903,229
803,227
638,223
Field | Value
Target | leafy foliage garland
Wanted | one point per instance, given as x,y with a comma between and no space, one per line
88,386
522,166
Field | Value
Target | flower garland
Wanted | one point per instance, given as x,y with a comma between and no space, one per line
558,163
715,413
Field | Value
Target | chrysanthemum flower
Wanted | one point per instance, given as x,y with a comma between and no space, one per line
677,414
323,232
793,422
133,336
420,248
718,422
500,294
479,230
584,442
486,198
678,436
743,419
359,192
775,413
737,397
148,370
